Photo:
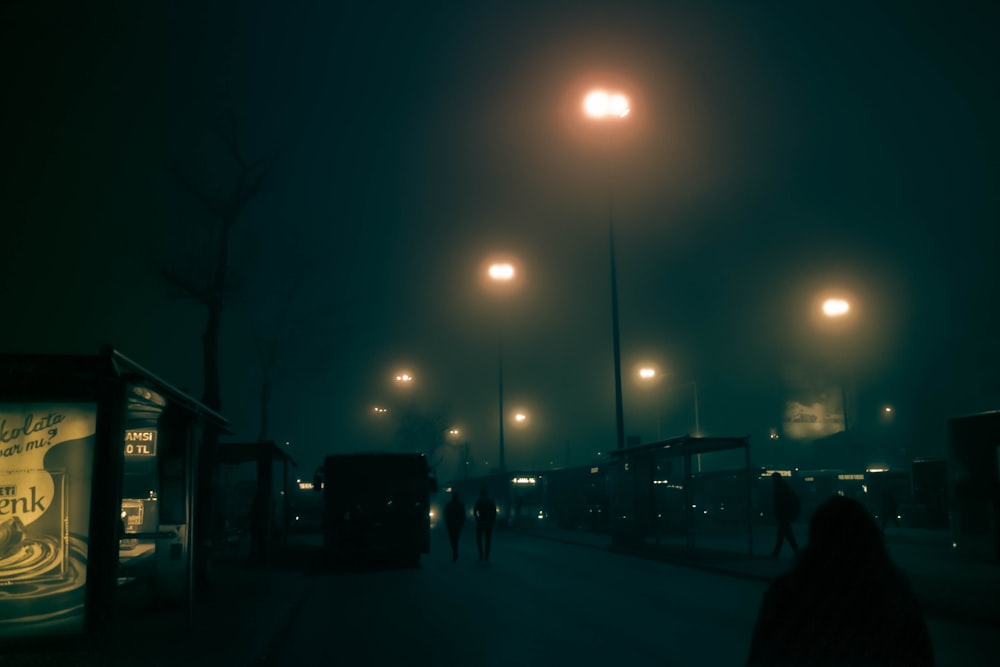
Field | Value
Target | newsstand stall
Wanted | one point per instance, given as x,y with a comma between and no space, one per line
98,462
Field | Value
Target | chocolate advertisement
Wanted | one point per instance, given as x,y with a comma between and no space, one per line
46,465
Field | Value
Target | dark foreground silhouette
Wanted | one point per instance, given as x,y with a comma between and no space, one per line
844,602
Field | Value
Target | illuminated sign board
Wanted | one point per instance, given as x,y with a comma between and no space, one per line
46,468
523,481
140,442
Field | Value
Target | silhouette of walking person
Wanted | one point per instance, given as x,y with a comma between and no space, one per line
890,509
843,603
786,510
486,515
454,519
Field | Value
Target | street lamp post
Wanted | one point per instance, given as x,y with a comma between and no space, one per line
837,308
602,105
500,398
650,374
503,273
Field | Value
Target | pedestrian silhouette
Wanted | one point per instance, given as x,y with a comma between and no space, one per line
786,510
843,603
454,519
486,515
890,509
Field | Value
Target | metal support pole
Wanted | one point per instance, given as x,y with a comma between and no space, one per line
619,413
500,398
688,497
749,499
843,400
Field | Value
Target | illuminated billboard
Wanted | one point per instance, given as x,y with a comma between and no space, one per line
46,466
815,417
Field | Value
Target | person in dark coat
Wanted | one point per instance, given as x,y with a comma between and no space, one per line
786,510
454,519
486,515
843,603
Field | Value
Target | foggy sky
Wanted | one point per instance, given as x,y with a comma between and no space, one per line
771,155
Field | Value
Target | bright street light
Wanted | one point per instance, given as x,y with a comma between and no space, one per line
649,375
404,378
601,104
835,307
501,272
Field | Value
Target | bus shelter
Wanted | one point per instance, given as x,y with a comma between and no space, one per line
653,490
255,499
98,468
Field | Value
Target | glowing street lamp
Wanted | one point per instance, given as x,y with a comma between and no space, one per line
602,105
836,307
650,375
501,273
454,435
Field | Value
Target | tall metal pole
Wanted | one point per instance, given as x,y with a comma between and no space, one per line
843,400
697,422
500,397
614,334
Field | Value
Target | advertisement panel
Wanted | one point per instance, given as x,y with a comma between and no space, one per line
46,467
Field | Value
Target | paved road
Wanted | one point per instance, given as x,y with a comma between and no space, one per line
544,603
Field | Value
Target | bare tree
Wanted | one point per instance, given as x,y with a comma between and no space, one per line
203,275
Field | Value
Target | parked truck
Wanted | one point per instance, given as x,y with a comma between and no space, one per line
376,505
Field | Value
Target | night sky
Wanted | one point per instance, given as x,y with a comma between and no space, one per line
773,155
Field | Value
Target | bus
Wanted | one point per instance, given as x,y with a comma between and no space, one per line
376,505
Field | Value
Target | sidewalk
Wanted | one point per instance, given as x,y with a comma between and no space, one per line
228,627
946,584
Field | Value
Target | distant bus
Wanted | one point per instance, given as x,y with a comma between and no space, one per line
376,505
